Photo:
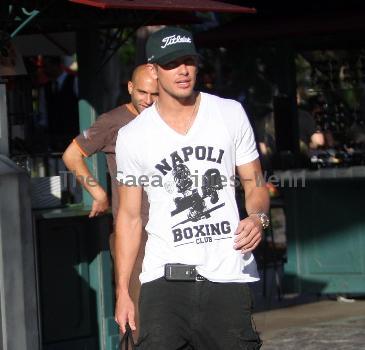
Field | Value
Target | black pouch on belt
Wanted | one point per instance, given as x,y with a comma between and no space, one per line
180,272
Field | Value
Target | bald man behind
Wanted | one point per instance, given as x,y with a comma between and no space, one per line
101,137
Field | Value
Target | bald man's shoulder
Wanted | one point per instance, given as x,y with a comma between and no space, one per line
117,117
141,123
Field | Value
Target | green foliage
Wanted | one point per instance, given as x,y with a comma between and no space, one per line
127,51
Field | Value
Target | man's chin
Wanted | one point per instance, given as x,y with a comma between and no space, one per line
183,94
140,109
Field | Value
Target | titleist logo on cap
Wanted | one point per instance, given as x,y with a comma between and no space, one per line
173,39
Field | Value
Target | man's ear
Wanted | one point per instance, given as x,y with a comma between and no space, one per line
153,69
130,87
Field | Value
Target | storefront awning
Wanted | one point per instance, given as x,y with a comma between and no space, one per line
168,5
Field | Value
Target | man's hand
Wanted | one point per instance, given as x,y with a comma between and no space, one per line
124,312
248,234
100,204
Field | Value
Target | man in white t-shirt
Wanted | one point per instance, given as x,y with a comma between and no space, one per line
198,256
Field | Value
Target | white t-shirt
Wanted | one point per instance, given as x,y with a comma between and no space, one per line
193,216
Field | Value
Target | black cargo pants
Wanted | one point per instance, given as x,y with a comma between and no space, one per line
199,315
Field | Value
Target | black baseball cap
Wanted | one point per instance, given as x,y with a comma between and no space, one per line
168,44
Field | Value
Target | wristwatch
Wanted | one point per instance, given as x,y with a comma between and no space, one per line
265,221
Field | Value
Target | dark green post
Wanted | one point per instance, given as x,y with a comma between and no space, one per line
94,98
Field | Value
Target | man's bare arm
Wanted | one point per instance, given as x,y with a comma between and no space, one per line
249,230
256,193
74,161
127,241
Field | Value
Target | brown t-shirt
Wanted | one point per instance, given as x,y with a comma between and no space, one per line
101,137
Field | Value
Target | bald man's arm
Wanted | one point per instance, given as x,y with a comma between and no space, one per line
74,161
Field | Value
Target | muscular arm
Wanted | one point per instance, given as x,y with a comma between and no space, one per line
127,242
74,161
249,230
256,194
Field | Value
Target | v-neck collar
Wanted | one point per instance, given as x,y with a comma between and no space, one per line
194,126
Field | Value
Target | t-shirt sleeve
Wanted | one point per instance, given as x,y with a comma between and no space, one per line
245,144
95,138
129,167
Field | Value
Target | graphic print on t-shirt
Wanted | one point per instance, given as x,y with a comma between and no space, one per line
193,180
192,199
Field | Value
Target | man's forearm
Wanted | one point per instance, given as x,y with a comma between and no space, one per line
127,243
257,200
75,163
256,194
87,180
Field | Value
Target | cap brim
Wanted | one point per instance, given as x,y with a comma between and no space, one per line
174,55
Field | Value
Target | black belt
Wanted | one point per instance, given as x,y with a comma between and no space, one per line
182,272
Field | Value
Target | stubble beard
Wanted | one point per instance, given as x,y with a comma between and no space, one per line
136,105
180,95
